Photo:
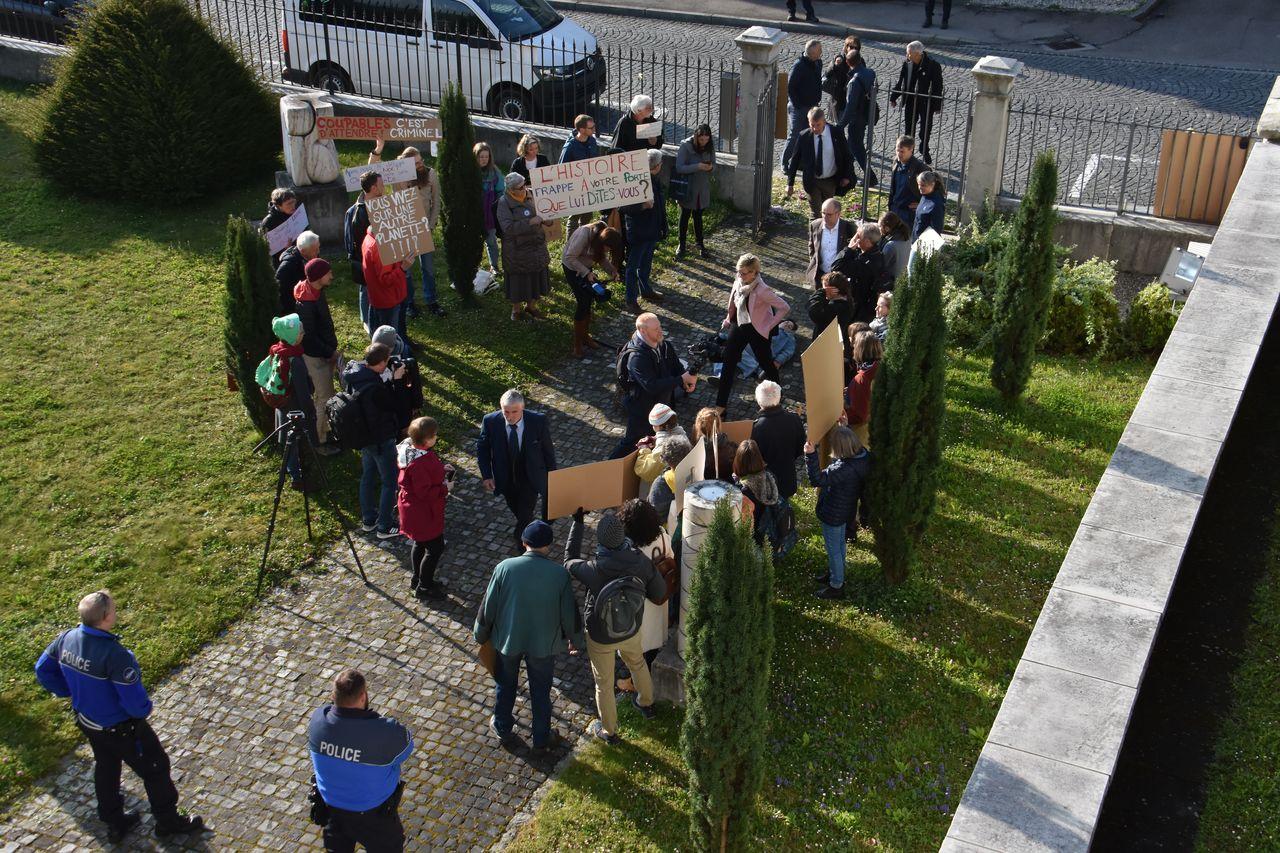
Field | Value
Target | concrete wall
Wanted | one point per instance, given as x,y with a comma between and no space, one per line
1044,771
26,61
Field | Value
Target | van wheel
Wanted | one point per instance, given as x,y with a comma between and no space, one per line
511,103
324,75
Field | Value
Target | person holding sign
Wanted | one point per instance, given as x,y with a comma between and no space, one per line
644,226
524,248
755,311
582,145
387,286
624,134
428,183
281,206
583,252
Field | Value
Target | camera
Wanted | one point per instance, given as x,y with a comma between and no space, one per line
395,362
601,292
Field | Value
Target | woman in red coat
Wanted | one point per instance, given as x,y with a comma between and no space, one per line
867,352
424,484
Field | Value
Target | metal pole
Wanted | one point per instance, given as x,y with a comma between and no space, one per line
324,17
1128,153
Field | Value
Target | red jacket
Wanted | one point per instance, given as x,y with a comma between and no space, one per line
387,285
422,492
857,407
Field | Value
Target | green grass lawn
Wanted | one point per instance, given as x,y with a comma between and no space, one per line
880,704
125,461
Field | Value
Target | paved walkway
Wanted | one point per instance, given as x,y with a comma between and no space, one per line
234,718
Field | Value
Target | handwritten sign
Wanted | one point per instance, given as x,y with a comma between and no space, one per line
282,236
600,183
393,172
652,130
378,127
399,223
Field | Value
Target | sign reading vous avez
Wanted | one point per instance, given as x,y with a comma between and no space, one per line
601,183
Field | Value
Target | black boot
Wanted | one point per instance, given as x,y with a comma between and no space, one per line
179,825
118,830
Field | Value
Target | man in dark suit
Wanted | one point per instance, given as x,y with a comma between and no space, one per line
822,158
920,88
828,234
515,453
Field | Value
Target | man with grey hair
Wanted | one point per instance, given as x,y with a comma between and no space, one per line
781,437
639,112
828,234
515,454
293,263
89,665
920,88
863,264
804,92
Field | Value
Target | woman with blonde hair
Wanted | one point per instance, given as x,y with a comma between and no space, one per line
706,424
755,311
839,487
529,156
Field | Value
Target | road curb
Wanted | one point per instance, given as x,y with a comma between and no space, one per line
1145,11
837,30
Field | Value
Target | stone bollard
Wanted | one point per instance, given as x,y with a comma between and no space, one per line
760,47
984,168
311,167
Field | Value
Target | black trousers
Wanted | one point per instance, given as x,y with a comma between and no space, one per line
424,557
133,743
583,295
808,7
740,338
522,499
946,9
378,830
637,428
685,213
918,121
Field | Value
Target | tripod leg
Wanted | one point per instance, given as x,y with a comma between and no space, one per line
271,526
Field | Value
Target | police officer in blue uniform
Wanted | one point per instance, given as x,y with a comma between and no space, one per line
88,664
357,755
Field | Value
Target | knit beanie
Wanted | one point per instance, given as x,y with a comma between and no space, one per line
660,414
538,534
316,269
609,531
287,328
387,336
514,180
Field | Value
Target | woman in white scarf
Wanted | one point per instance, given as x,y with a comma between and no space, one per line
755,311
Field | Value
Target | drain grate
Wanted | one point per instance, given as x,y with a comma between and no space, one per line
1069,44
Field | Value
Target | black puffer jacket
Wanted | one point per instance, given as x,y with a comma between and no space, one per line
609,565
781,437
839,486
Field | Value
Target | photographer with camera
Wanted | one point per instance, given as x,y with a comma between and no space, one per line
356,755
376,388
649,371
585,250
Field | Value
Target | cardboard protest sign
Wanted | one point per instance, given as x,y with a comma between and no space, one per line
737,431
399,224
600,183
396,171
378,127
597,485
823,367
652,130
282,236
690,470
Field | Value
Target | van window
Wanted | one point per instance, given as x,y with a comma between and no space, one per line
519,19
391,16
454,21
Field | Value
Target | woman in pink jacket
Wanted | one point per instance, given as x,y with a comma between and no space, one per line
755,311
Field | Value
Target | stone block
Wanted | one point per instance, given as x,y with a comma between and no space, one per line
1119,567
668,675
1142,509
954,845
1218,309
1187,407
1208,360
1237,271
1063,715
1092,636
1163,458
1022,802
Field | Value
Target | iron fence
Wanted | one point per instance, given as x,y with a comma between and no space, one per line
49,21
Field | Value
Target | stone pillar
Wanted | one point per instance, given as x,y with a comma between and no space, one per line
760,47
311,167
984,167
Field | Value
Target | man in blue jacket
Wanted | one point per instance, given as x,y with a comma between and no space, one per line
101,677
653,373
904,194
356,755
515,454
581,145
804,92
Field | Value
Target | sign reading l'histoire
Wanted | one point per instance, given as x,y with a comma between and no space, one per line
600,183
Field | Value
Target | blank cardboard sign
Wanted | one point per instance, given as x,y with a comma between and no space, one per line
823,367
596,485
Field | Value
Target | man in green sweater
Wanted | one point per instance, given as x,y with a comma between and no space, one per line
528,613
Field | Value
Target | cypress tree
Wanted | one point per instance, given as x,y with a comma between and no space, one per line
151,106
730,634
460,191
906,419
1024,282
248,307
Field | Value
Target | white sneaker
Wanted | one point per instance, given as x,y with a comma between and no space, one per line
389,534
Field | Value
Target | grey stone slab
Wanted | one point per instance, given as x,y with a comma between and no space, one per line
1249,216
1092,636
1165,458
1218,310
1186,407
1063,715
1021,802
1116,566
1142,509
1233,268
955,845
1206,359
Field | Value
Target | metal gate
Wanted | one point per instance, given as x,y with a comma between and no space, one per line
762,193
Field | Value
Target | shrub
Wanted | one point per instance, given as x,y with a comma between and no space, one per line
730,633
970,261
1024,282
1084,316
1151,317
151,106
460,191
906,420
967,312
248,306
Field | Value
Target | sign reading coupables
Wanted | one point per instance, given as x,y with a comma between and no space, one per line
378,127
600,183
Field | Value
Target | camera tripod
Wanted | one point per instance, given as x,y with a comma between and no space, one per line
295,438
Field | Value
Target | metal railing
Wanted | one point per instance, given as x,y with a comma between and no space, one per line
38,21
1108,156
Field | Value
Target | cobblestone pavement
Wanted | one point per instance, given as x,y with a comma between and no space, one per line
234,719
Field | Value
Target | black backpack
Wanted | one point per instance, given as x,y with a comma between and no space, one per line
616,613
622,370
349,232
347,423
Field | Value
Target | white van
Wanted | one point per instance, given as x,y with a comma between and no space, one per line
518,59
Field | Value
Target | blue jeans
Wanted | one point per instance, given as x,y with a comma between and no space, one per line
799,121
386,317
491,244
378,484
833,538
428,264
506,676
639,266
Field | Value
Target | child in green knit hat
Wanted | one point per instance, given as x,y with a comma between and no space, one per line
285,384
